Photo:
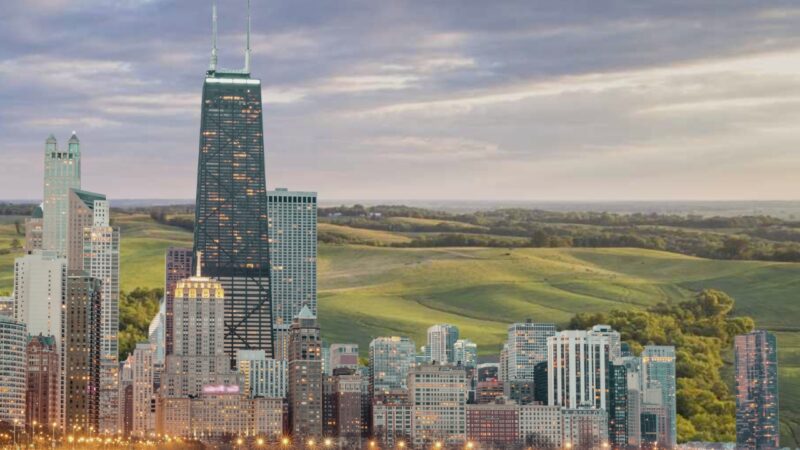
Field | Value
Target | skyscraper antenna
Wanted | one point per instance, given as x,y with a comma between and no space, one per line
213,66
247,51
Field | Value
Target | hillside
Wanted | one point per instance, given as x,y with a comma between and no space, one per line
384,290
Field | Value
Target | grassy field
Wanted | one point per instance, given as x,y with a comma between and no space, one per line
367,291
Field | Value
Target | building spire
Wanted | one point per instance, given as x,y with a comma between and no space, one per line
199,268
213,66
247,50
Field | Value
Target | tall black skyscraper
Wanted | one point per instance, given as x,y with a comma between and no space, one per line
231,211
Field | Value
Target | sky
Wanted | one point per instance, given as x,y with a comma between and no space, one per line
470,99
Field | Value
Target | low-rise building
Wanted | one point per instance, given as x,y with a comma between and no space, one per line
493,425
541,426
220,414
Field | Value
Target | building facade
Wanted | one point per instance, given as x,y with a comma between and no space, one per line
344,356
263,377
43,384
438,396
757,414
62,172
541,426
305,376
527,346
493,425
441,342
220,415
390,359
39,292
13,340
658,368
34,231
293,252
81,343
143,418
177,266
577,369
585,428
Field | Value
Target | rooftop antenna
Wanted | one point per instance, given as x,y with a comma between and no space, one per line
247,51
213,66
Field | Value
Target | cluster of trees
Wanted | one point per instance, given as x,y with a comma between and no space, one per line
702,330
136,309
16,209
181,220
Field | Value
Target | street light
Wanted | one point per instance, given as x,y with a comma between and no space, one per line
285,441
470,445
401,444
328,442
260,442
438,445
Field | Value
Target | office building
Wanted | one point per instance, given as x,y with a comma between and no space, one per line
143,398
305,376
390,359
441,343
293,252
198,356
344,394
577,370
156,334
438,395
391,420
343,356
262,376
540,383
658,368
80,217
281,346
34,231
488,391
585,428
126,396
493,425
13,340
231,221
43,391
465,352
39,289
527,346
541,426
81,351
220,415
177,266
757,415
654,425
62,172
618,404
488,371
633,374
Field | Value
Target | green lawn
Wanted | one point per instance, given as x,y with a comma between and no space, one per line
371,291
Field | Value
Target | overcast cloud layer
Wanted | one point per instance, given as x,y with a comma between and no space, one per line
557,100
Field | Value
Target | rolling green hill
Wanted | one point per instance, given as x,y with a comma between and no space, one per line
367,291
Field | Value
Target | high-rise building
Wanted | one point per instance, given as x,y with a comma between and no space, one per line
441,342
344,356
527,346
633,374
198,356
126,396
658,368
465,352
391,421
231,221
345,399
757,419
305,376
390,359
177,267
101,261
80,217
540,383
34,231
81,341
488,391
39,288
577,369
13,339
62,172
281,345
438,395
156,333
293,252
618,404
43,393
7,306
143,399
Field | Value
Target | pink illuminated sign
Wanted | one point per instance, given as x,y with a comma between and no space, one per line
220,389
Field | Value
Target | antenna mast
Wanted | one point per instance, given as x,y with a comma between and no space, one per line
213,66
247,51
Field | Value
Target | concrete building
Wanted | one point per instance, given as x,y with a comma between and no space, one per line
633,373
81,350
541,426
757,414
281,347
39,292
493,425
585,428
527,346
391,421
80,217
438,395
220,415
262,376
658,368
143,397
344,398
618,404
13,340
390,359
577,369
43,392
62,172
305,376
177,266
344,356
465,352
488,391
293,252
126,397
7,306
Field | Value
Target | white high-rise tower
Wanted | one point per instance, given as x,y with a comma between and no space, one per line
62,172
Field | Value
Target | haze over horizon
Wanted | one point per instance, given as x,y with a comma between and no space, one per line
569,101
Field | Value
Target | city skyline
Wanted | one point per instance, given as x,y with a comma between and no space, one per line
686,102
